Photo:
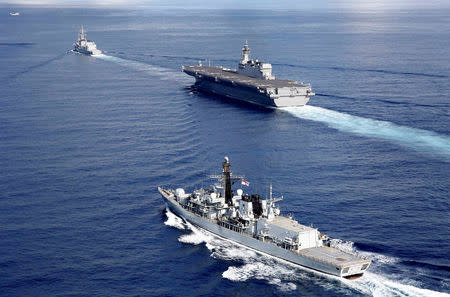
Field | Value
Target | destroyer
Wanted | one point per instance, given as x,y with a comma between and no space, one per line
256,223
85,46
253,82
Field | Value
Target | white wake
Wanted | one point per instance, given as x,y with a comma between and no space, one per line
285,276
417,139
381,285
153,70
174,221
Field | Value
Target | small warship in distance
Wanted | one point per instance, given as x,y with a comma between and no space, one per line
85,46
252,82
257,224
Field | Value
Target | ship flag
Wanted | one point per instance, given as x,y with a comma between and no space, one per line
245,183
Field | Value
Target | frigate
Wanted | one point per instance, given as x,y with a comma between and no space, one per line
85,46
257,223
252,82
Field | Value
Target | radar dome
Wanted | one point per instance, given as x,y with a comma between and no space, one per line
240,192
213,195
179,192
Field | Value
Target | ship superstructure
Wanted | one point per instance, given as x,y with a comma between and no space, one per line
85,46
257,223
252,82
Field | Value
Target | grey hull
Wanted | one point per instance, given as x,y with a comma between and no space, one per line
250,96
251,242
269,93
82,51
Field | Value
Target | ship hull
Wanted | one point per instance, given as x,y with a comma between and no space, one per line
87,52
249,95
256,244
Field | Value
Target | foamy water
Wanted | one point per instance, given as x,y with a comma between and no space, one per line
174,221
285,275
153,70
417,139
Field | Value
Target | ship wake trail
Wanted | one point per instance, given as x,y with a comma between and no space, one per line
420,140
36,66
153,70
380,285
286,277
254,266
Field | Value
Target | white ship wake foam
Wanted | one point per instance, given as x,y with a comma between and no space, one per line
418,139
174,221
160,72
284,275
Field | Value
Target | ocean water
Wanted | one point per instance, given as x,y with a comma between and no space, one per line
85,141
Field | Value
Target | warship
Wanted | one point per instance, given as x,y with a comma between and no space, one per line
85,46
252,82
257,223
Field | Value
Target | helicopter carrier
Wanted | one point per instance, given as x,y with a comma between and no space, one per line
85,46
252,82
257,223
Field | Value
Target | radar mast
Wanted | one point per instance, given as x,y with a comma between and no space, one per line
245,54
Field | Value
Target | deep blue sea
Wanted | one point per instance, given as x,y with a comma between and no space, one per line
85,141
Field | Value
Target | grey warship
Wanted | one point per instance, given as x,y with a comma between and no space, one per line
252,82
257,224
85,46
